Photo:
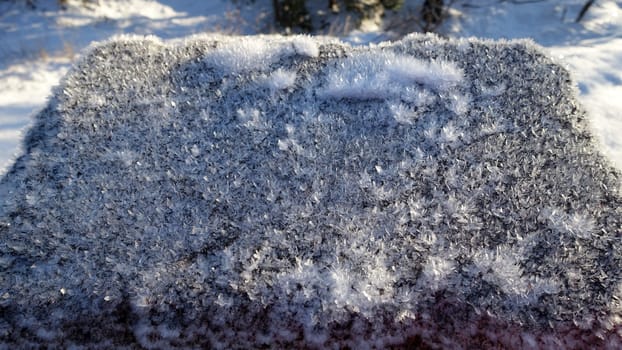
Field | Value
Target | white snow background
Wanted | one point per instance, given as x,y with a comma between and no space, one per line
38,46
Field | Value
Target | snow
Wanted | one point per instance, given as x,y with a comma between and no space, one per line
248,54
437,74
597,69
387,75
306,46
23,91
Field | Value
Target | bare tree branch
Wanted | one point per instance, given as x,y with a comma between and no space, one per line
584,10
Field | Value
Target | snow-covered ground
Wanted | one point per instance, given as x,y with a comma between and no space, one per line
38,46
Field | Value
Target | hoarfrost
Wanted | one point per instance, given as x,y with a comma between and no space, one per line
201,195
576,224
280,79
502,268
385,75
306,46
245,54
402,113
436,270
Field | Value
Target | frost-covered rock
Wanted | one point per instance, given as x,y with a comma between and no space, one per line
298,192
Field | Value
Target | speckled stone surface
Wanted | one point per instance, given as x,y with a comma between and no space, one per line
228,192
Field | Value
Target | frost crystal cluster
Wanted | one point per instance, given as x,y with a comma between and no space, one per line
227,192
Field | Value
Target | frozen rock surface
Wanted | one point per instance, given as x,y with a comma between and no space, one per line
228,192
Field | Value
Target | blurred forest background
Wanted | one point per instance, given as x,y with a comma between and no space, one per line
336,17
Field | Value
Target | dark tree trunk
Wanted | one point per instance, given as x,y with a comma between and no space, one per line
432,14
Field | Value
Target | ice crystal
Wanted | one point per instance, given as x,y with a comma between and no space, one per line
298,192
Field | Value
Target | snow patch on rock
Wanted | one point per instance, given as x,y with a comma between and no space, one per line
386,75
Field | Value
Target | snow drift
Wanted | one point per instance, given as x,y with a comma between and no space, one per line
299,192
